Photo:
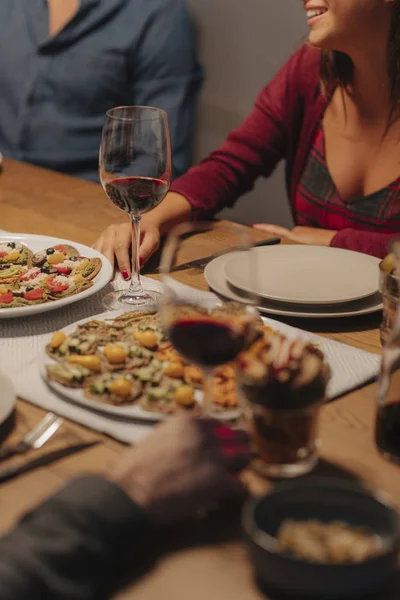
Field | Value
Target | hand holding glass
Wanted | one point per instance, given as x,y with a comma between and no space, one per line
135,167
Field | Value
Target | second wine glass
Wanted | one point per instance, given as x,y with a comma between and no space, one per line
135,165
207,333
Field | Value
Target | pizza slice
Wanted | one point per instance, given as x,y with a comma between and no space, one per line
67,374
134,316
113,388
11,274
22,296
65,260
62,286
80,343
56,253
14,253
124,356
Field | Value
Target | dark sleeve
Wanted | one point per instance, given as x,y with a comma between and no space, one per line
166,74
368,242
252,150
69,547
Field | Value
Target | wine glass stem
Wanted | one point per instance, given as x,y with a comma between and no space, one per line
136,285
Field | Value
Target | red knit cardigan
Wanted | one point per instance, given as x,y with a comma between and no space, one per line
282,125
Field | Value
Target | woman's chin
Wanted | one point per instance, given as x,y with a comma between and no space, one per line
320,40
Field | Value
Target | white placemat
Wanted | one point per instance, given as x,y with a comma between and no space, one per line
21,339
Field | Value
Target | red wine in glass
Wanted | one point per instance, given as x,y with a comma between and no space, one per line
387,431
136,195
135,166
207,342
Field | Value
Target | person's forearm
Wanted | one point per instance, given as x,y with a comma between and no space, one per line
368,242
174,209
69,547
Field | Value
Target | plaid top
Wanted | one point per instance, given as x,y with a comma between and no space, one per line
318,202
283,125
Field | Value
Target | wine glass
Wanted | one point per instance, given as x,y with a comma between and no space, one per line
208,333
135,166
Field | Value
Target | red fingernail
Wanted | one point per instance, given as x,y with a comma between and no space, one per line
125,275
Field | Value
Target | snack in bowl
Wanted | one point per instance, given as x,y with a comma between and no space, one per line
323,539
334,542
57,272
105,358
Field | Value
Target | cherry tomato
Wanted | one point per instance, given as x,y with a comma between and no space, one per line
64,270
32,275
6,298
60,248
55,287
36,294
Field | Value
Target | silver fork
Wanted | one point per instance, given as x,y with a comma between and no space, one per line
35,438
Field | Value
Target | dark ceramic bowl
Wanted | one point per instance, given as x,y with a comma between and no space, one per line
325,500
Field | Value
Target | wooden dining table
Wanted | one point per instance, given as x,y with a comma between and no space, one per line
210,561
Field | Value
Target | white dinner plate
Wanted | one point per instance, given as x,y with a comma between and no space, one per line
305,274
7,397
77,396
215,277
40,242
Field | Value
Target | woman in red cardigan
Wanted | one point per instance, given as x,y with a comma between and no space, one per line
333,114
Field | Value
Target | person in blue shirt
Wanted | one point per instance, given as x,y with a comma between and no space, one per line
64,63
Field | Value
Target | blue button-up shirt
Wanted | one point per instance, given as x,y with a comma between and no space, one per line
54,92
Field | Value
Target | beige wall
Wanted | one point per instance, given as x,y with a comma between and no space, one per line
242,44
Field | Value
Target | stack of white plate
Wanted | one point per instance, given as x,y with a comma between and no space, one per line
299,281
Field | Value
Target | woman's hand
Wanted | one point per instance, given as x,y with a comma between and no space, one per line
115,242
183,466
301,235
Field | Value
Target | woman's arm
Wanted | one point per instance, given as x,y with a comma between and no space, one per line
252,150
369,242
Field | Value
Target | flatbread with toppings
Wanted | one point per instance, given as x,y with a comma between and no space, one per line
129,361
53,273
14,253
113,388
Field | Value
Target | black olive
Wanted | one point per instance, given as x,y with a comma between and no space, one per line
29,288
73,258
50,251
45,270
11,244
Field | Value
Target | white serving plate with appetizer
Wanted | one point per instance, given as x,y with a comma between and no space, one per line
126,411
38,243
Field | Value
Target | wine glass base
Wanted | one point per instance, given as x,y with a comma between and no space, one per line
122,299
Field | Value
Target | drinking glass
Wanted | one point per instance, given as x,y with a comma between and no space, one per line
387,426
135,166
389,288
208,334
285,441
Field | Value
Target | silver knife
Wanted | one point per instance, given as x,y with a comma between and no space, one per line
46,459
200,263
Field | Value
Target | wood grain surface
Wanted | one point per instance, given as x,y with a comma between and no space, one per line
212,562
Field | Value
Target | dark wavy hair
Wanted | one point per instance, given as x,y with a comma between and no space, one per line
336,68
